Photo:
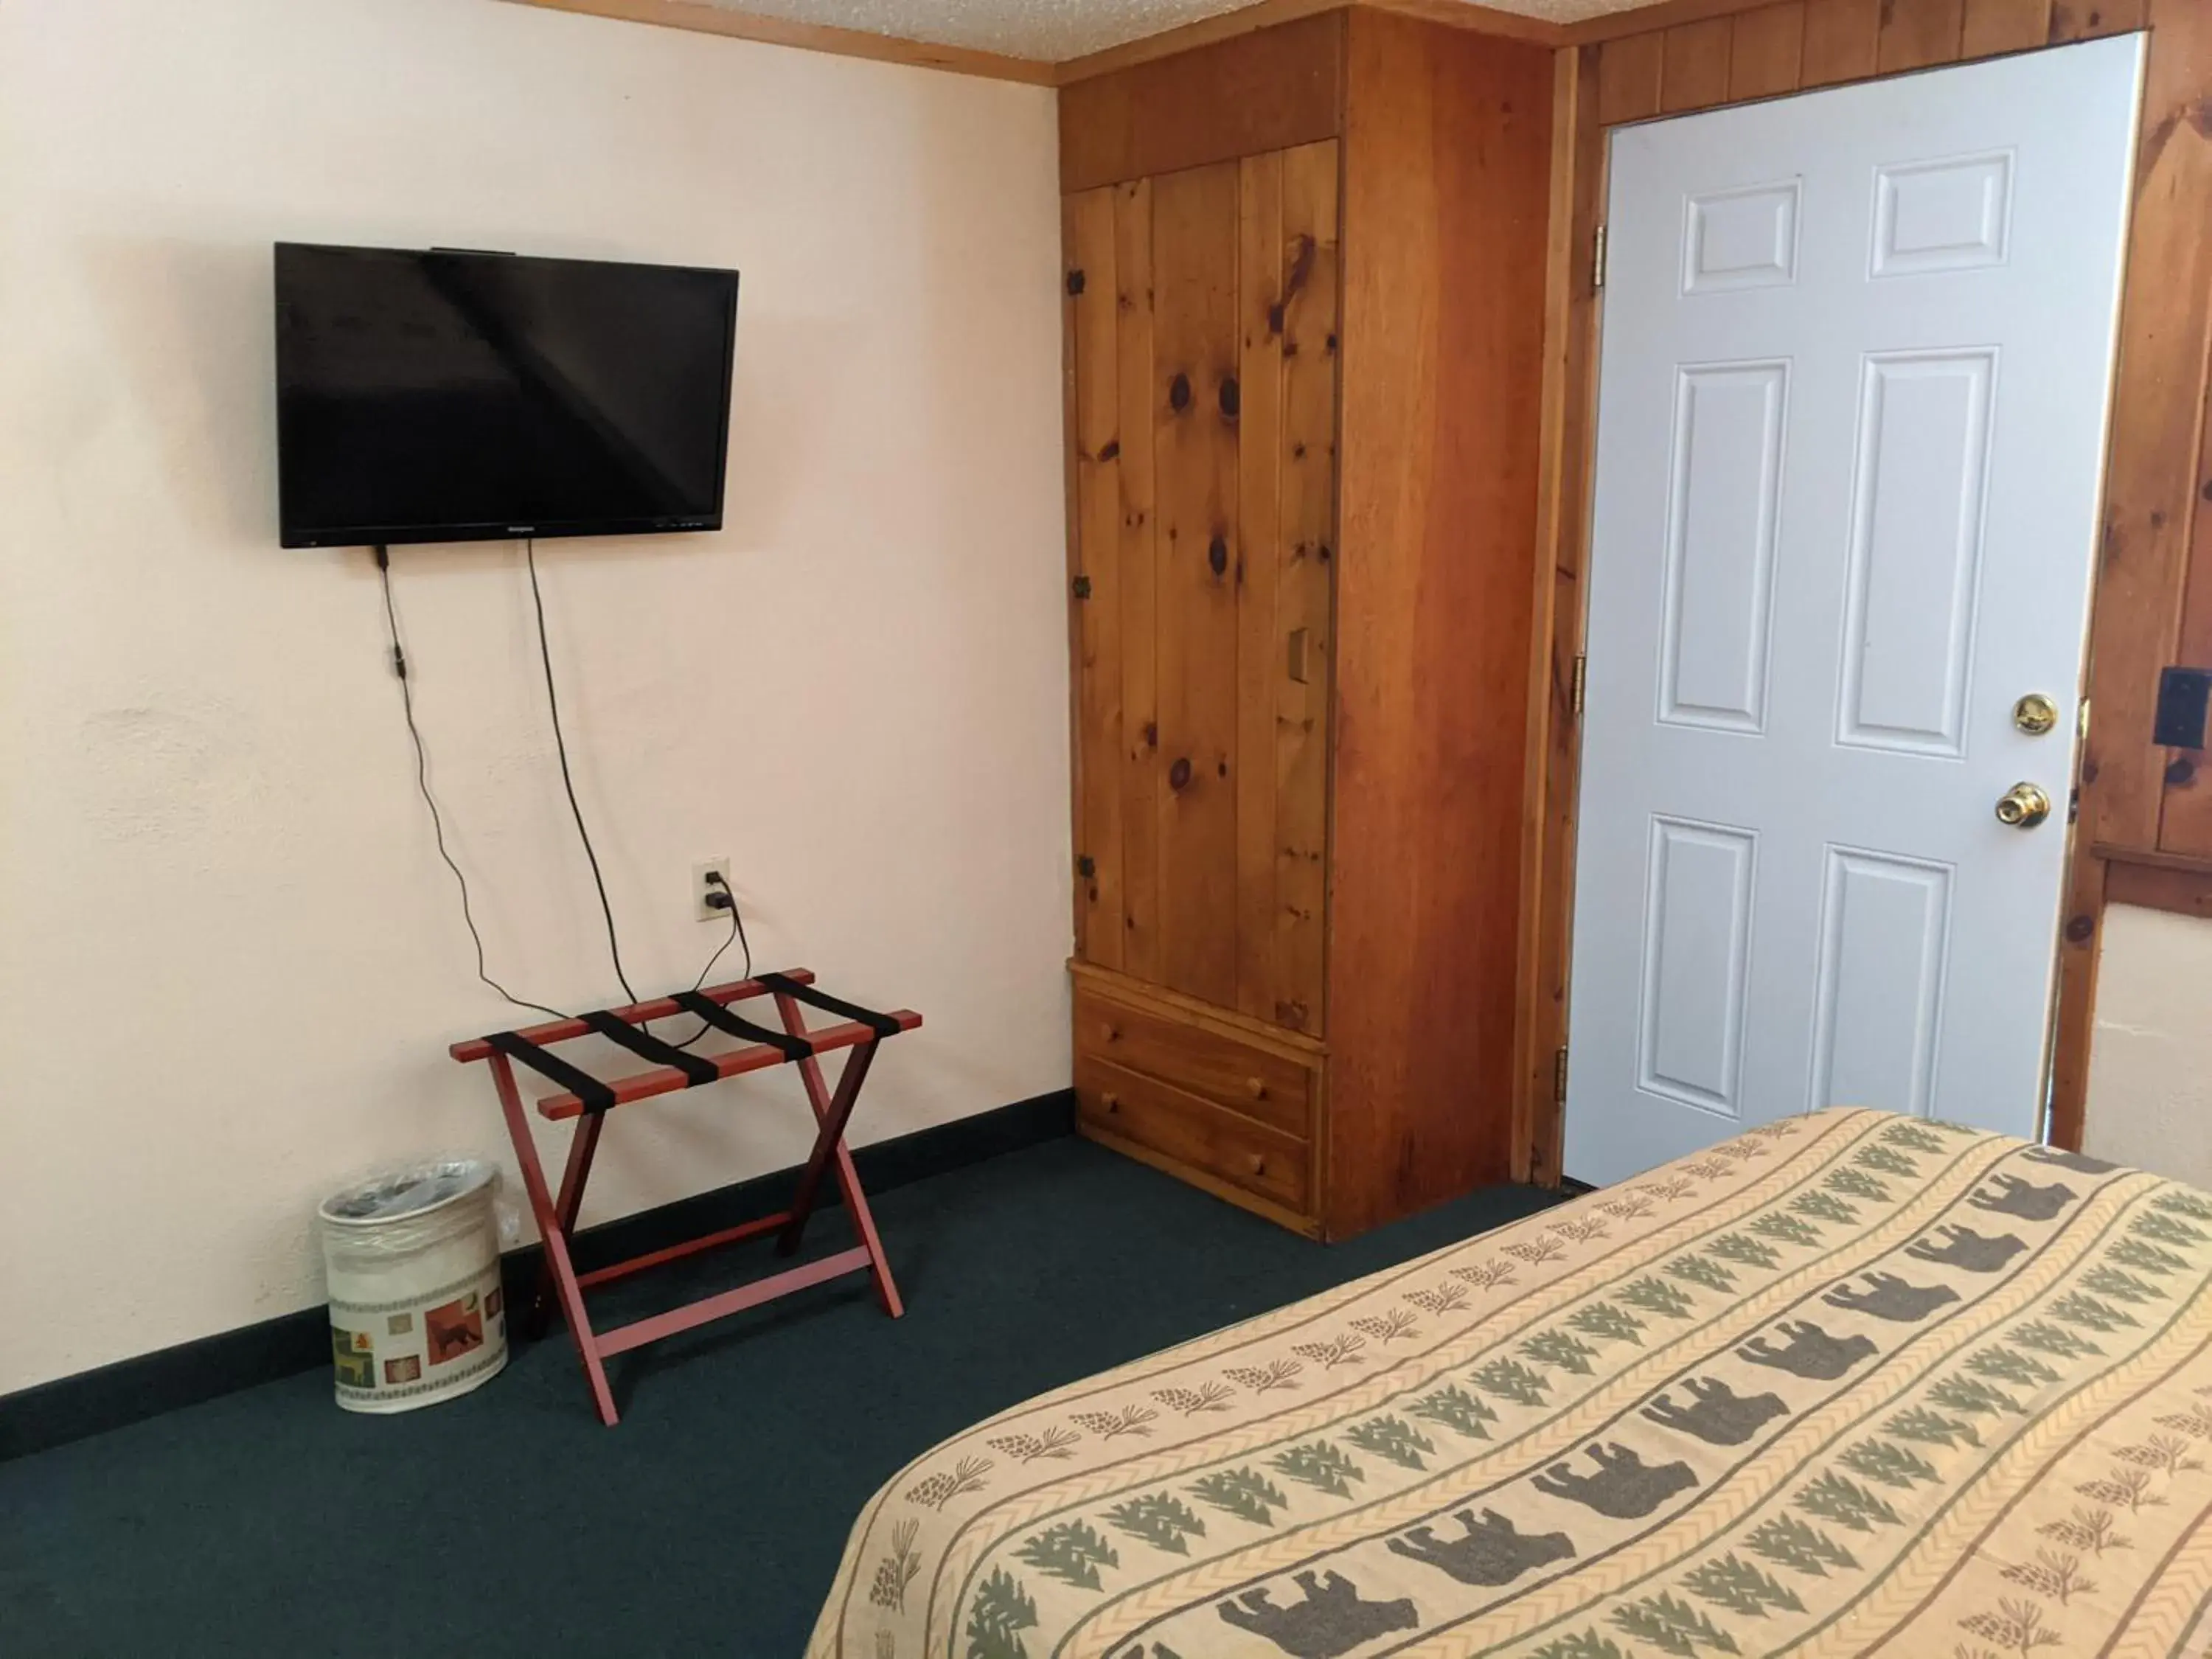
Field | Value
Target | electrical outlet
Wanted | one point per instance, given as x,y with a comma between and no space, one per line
701,888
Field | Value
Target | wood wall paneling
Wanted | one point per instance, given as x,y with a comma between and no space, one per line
1446,180
1918,34
1995,26
1141,713
2088,20
1628,71
1305,611
1195,458
1766,52
1694,65
1839,41
2152,487
1241,96
2185,810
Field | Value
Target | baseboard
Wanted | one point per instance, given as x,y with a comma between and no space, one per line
130,1390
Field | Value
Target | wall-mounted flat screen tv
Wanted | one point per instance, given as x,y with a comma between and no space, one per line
450,395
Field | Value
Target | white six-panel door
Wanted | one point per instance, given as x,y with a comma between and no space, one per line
1853,388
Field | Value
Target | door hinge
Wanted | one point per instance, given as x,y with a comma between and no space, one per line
1081,587
1559,1077
1597,258
1576,691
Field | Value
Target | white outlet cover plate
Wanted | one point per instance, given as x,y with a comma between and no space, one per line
699,907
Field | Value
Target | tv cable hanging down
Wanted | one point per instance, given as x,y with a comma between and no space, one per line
724,899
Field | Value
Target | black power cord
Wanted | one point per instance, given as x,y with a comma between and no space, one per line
422,784
720,899
568,782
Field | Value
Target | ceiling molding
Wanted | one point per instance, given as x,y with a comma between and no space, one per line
1205,32
703,19
1266,14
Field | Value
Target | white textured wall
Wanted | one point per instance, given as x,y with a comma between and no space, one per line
229,963
2150,1055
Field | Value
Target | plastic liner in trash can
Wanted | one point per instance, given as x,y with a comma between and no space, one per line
416,1313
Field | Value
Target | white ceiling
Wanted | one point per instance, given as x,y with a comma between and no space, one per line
1055,29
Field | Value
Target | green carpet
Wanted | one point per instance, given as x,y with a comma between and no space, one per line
270,1522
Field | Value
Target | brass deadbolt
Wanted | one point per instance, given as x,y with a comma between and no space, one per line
2035,713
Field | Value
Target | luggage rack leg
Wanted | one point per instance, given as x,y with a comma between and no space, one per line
831,1114
583,1147
555,1237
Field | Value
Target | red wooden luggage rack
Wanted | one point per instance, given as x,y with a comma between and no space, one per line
859,1029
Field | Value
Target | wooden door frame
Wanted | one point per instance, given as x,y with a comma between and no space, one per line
1723,54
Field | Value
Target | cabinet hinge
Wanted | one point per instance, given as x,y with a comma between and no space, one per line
1581,682
1081,587
1085,866
1559,1077
1597,258
1075,284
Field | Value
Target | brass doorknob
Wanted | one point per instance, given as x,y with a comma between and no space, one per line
2023,807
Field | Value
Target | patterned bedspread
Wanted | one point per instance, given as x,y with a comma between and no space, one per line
1851,1383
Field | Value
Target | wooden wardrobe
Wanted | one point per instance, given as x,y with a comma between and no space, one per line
1305,279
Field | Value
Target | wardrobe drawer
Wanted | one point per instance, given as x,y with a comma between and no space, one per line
1242,1076
1247,1155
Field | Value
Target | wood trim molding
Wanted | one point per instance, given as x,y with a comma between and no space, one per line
2183,892
2150,859
704,19
1266,14
1205,32
1648,19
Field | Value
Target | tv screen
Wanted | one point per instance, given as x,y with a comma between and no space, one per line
455,396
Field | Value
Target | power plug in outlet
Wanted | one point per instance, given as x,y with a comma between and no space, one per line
703,890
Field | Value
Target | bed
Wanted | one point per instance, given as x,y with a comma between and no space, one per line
1848,1383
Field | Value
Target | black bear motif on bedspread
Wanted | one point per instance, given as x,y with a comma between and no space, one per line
1963,1247
1330,1622
1887,1296
1492,1551
1624,1487
1811,1352
1716,1414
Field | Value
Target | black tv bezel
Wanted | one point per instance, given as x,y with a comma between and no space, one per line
289,535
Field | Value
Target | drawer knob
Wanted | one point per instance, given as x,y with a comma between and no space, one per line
1259,1162
1111,1032
1258,1087
1111,1103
